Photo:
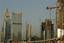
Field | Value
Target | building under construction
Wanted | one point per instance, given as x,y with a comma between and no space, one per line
59,25
60,17
47,30
60,14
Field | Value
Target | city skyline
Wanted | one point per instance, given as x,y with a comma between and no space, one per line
31,10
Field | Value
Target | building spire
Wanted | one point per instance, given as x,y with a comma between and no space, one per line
7,12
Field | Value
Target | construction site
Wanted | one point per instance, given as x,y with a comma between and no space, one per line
12,27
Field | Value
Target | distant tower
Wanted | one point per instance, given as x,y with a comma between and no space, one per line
27,27
17,26
28,32
6,30
47,30
43,31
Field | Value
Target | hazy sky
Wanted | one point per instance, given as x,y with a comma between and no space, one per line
34,11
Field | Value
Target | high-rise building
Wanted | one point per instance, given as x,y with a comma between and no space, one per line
43,31
16,25
6,30
27,26
47,30
28,32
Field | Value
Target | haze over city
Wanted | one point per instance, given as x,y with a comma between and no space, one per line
33,11
31,21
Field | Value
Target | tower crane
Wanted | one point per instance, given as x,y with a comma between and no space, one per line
50,8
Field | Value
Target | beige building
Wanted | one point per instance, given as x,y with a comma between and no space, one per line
28,32
16,25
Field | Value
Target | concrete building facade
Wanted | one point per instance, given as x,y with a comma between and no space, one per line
47,30
28,32
16,25
6,30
